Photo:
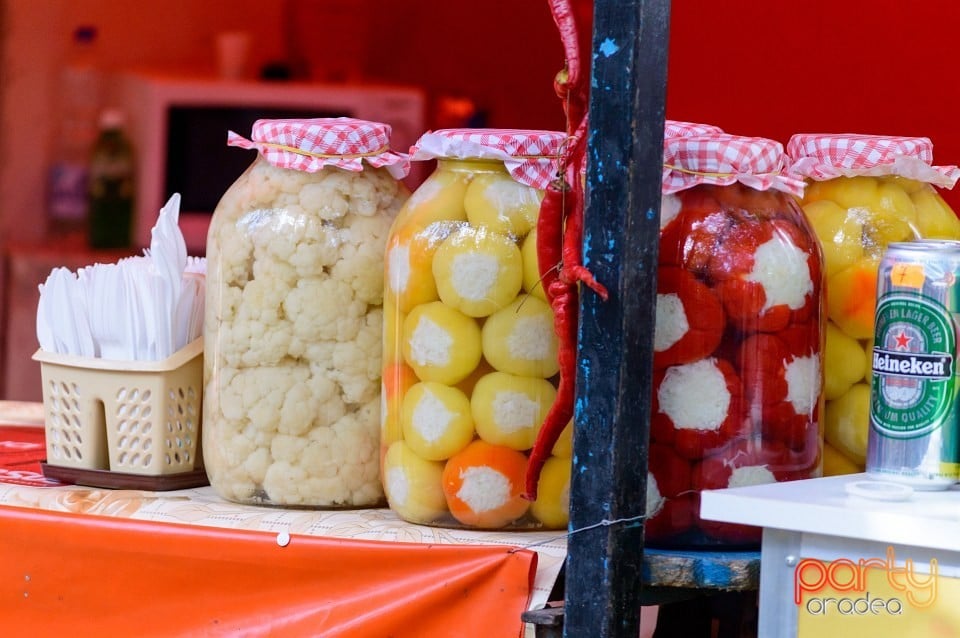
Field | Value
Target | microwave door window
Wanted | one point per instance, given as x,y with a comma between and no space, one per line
199,164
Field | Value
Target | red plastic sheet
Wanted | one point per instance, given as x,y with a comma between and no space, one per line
82,575
22,447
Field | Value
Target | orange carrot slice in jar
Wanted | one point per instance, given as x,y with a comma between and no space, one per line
484,484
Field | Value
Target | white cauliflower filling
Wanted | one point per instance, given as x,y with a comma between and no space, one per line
507,194
669,209
483,488
782,269
750,475
430,188
695,396
671,323
431,418
803,383
514,411
398,268
655,501
398,486
531,338
474,275
430,344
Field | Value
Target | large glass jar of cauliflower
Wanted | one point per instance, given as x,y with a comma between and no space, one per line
737,391
470,353
863,192
294,316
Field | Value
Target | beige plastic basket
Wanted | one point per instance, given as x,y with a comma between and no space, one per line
135,417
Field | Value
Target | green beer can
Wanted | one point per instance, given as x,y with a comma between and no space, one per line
913,436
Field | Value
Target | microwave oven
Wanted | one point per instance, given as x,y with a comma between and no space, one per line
178,127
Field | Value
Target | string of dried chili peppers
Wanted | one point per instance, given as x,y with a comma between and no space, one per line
560,241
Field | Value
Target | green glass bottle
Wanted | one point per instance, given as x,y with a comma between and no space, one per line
111,185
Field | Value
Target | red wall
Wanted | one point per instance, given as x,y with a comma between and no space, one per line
776,68
756,68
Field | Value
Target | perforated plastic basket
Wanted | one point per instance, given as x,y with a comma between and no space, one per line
135,417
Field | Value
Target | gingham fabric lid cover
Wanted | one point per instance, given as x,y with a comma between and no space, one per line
531,157
724,159
678,128
826,156
311,144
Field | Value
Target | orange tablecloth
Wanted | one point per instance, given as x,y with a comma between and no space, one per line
92,561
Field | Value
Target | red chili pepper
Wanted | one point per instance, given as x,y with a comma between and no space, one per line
564,303
559,243
550,235
560,413
567,27
568,83
563,295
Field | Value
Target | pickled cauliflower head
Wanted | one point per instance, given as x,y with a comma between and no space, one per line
293,336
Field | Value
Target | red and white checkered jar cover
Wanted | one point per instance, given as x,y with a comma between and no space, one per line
822,157
531,157
312,144
676,128
723,159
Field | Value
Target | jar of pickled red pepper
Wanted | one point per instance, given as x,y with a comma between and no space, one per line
470,352
737,393
863,192
294,316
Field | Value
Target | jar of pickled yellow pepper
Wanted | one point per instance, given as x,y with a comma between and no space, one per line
470,352
863,192
737,362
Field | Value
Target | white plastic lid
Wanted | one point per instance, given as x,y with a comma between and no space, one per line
880,490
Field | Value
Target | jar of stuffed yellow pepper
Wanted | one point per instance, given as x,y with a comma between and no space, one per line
864,192
294,317
470,352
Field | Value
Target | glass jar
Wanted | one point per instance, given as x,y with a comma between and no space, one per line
294,316
470,353
737,394
864,192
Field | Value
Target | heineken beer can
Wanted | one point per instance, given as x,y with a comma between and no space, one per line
913,435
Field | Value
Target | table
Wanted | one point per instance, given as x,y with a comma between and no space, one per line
92,561
837,563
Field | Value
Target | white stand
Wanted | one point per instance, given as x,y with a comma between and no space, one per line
820,519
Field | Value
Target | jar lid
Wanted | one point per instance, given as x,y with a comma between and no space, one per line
531,157
311,144
724,159
677,128
826,156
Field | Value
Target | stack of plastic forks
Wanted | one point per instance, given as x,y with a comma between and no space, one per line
142,308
